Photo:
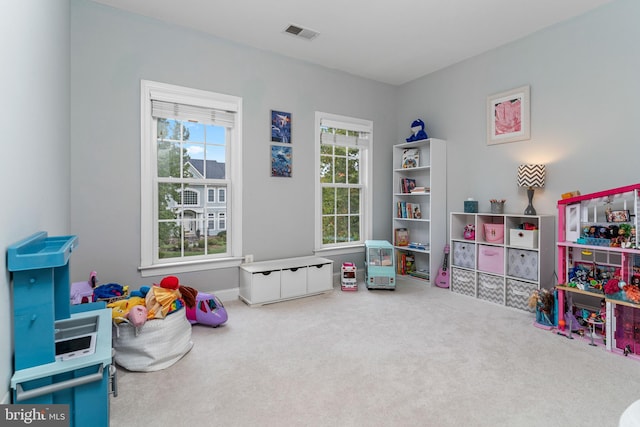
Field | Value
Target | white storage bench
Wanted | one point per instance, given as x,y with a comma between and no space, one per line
278,280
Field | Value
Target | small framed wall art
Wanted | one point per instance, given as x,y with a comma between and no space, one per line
508,116
281,160
280,126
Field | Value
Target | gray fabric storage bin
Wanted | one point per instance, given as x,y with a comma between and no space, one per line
491,288
518,294
463,282
523,264
464,254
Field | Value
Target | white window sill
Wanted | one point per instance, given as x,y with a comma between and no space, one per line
188,266
342,250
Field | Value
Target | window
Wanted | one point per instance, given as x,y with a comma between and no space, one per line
191,151
343,177
189,197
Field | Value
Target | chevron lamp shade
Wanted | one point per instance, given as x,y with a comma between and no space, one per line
531,175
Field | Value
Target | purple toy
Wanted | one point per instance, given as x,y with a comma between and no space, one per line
208,310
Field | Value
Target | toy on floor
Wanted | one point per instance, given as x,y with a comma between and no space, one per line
348,281
82,292
207,310
160,300
109,292
417,127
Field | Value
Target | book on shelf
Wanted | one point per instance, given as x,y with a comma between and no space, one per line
410,158
407,185
408,210
420,190
402,237
405,263
416,213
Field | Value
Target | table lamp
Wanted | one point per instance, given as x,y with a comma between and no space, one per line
531,176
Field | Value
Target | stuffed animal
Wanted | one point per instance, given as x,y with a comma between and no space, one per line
164,298
129,309
469,232
417,127
137,315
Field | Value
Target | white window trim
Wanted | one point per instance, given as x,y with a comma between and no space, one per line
367,204
148,238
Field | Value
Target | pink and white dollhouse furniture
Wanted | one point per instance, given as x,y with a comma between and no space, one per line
598,245
348,281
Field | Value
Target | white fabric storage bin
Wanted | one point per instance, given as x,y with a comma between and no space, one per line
523,238
522,264
157,344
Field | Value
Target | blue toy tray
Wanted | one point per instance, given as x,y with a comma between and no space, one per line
40,251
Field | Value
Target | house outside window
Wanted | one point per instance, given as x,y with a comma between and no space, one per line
343,178
191,152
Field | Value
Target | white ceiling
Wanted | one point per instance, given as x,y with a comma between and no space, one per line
388,41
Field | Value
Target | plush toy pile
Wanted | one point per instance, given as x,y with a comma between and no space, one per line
153,325
159,301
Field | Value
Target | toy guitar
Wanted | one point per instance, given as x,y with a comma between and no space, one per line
442,279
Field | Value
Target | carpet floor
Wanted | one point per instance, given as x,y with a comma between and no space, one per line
416,356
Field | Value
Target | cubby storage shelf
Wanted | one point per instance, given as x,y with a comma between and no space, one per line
503,263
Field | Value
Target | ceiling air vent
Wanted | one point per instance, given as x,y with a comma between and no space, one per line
305,33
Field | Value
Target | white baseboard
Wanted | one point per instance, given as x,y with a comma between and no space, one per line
226,295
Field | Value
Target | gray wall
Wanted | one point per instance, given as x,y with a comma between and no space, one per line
584,111
582,73
34,165
113,50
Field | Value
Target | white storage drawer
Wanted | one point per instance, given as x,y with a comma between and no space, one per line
266,286
293,282
319,278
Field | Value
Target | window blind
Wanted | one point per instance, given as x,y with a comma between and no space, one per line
362,131
193,113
